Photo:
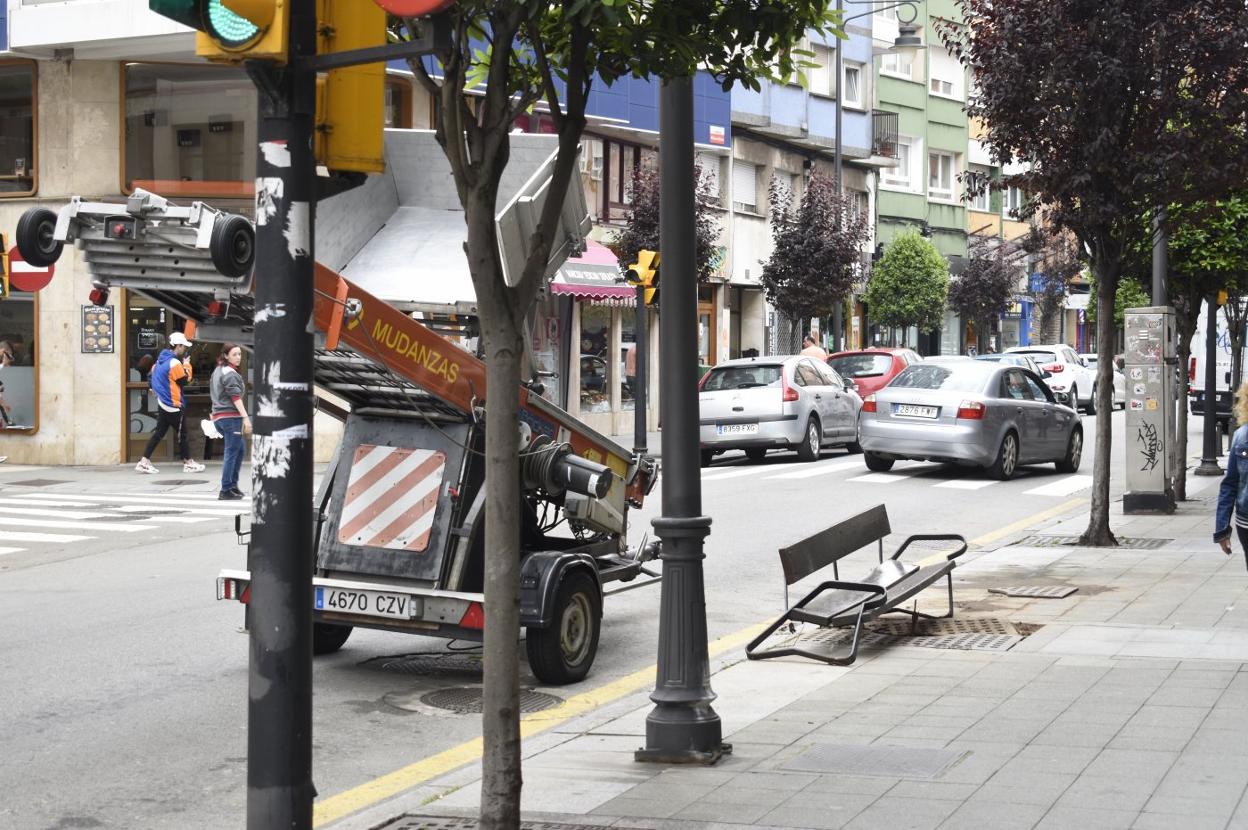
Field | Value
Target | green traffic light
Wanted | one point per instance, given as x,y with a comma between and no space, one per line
227,27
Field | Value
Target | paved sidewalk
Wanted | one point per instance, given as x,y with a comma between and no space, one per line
1124,706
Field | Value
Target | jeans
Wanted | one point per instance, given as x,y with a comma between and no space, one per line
231,430
165,420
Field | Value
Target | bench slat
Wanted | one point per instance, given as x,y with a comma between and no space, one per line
901,591
803,558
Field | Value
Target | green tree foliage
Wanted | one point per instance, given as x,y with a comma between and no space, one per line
815,258
984,290
909,285
1113,108
1130,294
503,59
641,227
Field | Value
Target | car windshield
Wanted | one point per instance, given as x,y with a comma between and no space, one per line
861,365
954,377
723,378
1041,356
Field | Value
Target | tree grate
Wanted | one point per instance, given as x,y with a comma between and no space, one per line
1133,542
1036,591
970,634
410,822
466,700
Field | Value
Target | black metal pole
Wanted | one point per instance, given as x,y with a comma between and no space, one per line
279,715
838,164
682,727
1161,244
641,377
1209,451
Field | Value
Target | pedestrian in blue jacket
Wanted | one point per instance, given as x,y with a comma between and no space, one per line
1233,495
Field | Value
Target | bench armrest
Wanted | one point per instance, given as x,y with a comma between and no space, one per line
935,537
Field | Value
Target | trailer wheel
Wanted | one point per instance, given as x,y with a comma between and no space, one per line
563,652
34,237
233,245
329,637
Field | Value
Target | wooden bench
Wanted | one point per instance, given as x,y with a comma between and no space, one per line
837,603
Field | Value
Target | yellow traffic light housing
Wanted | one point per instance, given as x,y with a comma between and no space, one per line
645,273
350,101
1222,298
238,30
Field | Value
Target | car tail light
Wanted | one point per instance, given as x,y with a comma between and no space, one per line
790,394
230,588
868,403
971,410
1191,371
474,617
1055,368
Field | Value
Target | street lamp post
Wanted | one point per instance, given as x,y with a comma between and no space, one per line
907,41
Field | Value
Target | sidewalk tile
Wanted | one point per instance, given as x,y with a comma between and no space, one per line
1203,802
1132,763
1185,696
642,807
1166,821
1152,737
1076,735
1090,792
823,816
982,815
944,790
1081,818
1172,717
911,813
1025,787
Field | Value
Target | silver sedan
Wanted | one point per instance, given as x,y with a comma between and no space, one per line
971,413
761,403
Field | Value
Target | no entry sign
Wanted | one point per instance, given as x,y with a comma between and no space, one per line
26,277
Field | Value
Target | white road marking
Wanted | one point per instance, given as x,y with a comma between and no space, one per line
18,536
51,523
29,502
145,501
738,472
11,550
1061,487
54,514
968,483
185,520
162,510
895,475
821,469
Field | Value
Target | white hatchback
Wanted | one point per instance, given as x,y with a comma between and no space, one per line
1070,376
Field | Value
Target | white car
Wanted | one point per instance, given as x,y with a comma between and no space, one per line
1070,378
1120,380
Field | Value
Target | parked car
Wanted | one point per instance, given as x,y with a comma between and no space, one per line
872,369
975,413
1030,365
1071,378
758,404
1120,380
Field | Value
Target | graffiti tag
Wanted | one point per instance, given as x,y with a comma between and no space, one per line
1147,436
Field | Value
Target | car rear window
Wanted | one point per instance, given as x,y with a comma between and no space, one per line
961,377
723,378
861,365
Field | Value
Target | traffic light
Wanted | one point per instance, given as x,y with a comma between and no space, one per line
645,272
350,101
231,31
1222,298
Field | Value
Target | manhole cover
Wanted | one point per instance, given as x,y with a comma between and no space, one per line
446,823
884,761
1038,591
1072,541
39,482
466,700
430,665
167,481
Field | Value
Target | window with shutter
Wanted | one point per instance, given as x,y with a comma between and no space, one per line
744,186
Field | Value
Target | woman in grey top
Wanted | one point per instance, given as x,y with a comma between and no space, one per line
229,415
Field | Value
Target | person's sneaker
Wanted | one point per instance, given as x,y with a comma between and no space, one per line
238,492
192,466
145,466
229,495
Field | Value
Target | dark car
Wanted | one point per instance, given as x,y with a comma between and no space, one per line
872,369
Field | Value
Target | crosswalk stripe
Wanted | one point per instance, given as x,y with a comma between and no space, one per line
143,499
183,520
28,502
738,473
20,536
68,525
3,551
1061,487
968,483
54,514
896,475
819,469
163,510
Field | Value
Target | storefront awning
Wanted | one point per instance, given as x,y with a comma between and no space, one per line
594,277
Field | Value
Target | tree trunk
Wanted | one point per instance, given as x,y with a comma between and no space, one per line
1235,315
1098,533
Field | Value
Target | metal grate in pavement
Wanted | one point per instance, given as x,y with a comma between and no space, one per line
441,664
39,482
1038,591
969,634
1133,542
466,700
410,822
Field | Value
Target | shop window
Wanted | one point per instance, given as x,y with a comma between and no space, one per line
19,387
595,359
17,128
189,130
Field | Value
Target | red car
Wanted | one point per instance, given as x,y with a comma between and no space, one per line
872,369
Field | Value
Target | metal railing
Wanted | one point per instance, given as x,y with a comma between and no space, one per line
884,126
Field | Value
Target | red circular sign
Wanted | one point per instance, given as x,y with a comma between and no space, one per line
26,277
414,8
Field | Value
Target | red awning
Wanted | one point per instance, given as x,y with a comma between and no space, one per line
594,276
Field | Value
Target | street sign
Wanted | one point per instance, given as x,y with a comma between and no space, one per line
26,277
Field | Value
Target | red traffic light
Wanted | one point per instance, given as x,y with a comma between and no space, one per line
414,8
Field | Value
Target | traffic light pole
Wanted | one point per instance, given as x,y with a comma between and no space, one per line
641,375
1209,450
682,727
279,715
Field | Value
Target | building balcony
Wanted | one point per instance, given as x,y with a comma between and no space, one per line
884,128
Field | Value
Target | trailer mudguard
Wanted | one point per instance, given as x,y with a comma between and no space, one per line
540,575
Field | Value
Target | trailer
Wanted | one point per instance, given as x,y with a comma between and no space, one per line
399,515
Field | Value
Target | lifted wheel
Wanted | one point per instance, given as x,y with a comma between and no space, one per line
329,637
233,245
563,652
34,237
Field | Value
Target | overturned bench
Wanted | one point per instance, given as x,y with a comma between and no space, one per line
843,604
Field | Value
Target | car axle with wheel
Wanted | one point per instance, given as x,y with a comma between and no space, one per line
990,415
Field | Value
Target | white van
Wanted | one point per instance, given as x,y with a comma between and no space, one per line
1196,367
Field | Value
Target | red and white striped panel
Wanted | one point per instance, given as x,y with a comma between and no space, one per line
392,496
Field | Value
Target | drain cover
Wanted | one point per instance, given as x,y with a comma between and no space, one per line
39,482
445,664
466,700
1039,591
1072,541
447,823
885,761
970,634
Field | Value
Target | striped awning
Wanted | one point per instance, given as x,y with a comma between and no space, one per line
594,277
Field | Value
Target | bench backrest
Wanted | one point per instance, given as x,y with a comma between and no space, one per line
803,558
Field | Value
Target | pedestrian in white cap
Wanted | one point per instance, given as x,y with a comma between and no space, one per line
171,372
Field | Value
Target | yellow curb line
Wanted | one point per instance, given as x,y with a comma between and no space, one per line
391,784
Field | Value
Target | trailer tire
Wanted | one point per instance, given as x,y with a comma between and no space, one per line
563,652
329,637
233,245
34,239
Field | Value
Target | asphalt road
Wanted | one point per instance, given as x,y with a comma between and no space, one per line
125,681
